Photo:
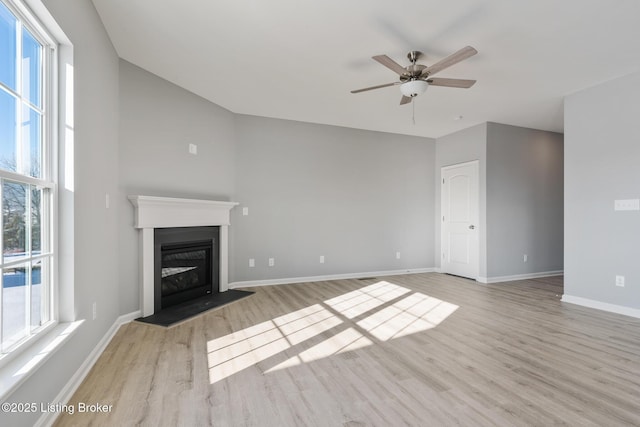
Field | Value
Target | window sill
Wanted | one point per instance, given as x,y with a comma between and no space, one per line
23,365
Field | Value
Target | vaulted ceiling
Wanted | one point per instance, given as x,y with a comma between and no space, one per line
298,60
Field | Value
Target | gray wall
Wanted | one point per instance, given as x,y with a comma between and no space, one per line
602,151
524,200
459,147
356,197
521,196
158,121
96,228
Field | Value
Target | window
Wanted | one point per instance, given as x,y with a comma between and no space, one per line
27,183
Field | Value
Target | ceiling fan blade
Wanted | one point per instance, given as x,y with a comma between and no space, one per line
405,100
390,64
461,83
374,87
450,60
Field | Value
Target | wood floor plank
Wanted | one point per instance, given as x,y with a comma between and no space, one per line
421,350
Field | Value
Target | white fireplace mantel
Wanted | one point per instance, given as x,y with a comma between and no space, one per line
161,212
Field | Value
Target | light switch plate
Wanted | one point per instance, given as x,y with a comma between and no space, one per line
193,149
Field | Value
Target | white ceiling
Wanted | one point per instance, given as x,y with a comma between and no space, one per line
298,60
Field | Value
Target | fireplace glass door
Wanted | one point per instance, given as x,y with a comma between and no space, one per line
185,268
186,262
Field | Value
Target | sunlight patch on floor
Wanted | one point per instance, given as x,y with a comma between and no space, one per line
353,304
304,328
245,348
409,314
416,313
342,342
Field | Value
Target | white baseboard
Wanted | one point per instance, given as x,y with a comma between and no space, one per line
498,279
599,305
48,418
289,280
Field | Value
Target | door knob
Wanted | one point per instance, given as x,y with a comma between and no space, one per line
472,227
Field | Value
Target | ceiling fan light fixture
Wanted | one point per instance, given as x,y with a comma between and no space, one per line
413,88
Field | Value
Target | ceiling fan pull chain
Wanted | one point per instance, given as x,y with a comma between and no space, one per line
413,116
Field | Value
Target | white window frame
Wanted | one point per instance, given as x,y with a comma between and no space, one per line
49,175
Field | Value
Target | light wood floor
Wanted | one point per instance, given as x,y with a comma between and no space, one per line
423,350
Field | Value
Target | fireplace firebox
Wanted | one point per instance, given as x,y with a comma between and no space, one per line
186,262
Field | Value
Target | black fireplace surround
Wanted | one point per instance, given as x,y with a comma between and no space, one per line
186,264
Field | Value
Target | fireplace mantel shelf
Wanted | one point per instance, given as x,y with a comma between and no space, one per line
162,212
157,212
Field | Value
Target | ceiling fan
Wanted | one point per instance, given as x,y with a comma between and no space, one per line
415,78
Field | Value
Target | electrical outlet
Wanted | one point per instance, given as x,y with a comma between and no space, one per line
620,281
245,211
193,149
252,262
397,255
95,310
321,259
272,262
525,258
627,205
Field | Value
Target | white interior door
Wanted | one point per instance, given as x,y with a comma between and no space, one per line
459,211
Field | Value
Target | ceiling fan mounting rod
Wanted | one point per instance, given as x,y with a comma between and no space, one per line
413,71
414,55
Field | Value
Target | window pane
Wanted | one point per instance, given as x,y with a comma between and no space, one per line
14,300
31,71
7,47
26,294
36,294
36,221
7,131
31,142
13,218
